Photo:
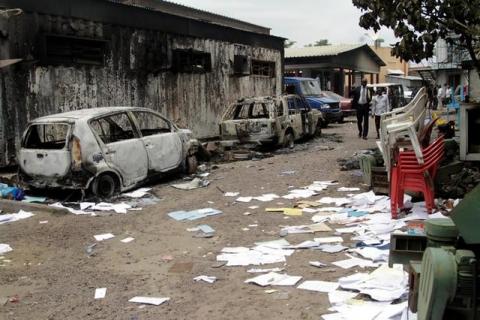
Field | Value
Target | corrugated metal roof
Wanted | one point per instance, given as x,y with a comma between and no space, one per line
172,7
320,51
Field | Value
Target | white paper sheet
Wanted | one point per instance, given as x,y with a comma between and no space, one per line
105,236
231,194
4,248
139,193
11,217
319,286
208,279
100,293
274,279
323,240
127,240
244,199
149,300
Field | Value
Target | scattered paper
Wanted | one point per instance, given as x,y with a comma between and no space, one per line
244,199
31,199
256,270
317,264
127,240
149,300
319,286
329,248
231,194
194,214
286,211
105,236
274,279
139,193
11,217
4,248
312,228
191,185
43,222
208,279
345,189
100,293
329,240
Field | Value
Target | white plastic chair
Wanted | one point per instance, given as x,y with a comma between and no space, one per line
404,122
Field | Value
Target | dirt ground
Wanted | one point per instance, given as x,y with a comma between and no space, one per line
54,278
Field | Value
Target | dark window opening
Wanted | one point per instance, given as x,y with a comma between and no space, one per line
114,128
263,68
241,65
190,61
251,111
47,136
65,50
150,124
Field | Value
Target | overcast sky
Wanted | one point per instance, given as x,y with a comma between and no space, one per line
304,21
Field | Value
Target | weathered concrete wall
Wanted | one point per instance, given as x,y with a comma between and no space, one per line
29,90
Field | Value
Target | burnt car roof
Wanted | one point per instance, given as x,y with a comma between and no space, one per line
86,113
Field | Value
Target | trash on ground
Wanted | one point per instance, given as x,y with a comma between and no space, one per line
30,199
286,211
311,228
11,193
11,217
205,228
259,270
274,279
191,185
329,240
105,236
231,194
139,193
317,264
345,189
194,214
149,300
208,279
244,199
100,293
319,286
43,221
4,248
127,240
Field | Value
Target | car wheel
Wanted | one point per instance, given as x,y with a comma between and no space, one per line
289,140
104,186
318,130
342,120
324,124
192,164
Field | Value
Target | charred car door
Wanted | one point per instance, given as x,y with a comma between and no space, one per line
295,116
122,147
162,142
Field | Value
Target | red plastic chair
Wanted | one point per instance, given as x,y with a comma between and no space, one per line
408,174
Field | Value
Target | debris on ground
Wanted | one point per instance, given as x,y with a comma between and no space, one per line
194,214
105,236
353,162
100,293
4,248
193,184
207,279
11,217
458,184
149,300
11,193
274,279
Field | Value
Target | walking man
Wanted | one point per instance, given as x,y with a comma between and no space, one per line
380,105
361,102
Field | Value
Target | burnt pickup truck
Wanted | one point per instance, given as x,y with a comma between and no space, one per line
269,120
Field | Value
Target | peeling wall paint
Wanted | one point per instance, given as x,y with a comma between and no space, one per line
196,101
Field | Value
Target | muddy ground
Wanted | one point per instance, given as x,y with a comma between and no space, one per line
53,277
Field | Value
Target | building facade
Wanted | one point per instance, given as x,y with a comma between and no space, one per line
90,53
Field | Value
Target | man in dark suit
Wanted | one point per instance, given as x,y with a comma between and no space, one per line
361,102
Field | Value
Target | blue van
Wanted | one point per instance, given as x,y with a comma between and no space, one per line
309,89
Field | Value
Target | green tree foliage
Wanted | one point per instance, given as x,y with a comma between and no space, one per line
420,23
289,43
319,43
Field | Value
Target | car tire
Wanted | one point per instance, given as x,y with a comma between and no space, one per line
324,124
104,186
289,140
191,164
318,130
342,120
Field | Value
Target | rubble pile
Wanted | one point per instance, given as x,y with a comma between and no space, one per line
459,183
353,163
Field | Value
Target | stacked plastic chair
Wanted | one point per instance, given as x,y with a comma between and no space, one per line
409,174
403,124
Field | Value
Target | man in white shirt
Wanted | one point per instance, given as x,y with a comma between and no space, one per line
380,105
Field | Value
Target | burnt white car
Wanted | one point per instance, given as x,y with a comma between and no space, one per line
269,120
106,150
